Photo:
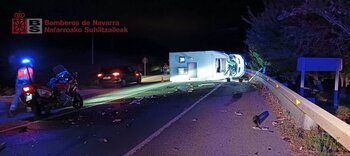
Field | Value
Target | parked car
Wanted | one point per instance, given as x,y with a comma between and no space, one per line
120,76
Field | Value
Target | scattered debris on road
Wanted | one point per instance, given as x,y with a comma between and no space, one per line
261,128
238,113
189,88
136,101
104,140
116,120
258,119
182,88
145,99
206,84
274,123
269,148
194,120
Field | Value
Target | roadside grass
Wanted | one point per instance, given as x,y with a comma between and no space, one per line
302,142
322,143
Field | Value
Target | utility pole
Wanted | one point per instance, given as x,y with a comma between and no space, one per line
145,61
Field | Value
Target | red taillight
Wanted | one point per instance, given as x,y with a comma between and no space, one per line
99,75
115,73
27,89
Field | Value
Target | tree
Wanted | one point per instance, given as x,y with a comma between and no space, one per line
316,28
270,40
336,13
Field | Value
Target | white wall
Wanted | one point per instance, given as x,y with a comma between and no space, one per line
205,65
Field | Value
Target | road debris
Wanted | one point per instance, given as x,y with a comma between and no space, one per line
189,88
181,88
238,113
116,120
85,142
206,84
103,113
104,140
194,120
258,119
269,148
261,128
274,123
136,101
280,118
145,99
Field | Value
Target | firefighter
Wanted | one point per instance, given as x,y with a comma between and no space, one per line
232,65
165,69
24,77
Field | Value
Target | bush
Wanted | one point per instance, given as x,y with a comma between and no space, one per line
322,143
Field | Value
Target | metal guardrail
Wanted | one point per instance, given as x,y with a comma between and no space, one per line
305,113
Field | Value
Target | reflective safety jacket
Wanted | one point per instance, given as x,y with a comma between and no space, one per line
22,73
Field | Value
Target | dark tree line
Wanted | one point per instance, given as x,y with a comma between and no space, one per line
286,30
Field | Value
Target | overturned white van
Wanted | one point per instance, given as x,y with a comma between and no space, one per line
202,66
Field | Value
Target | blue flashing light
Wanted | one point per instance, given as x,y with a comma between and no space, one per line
25,61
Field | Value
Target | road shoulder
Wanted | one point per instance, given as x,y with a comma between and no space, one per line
214,128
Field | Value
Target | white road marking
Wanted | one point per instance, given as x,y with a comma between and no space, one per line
159,131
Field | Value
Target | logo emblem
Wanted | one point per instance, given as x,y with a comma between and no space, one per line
19,23
22,25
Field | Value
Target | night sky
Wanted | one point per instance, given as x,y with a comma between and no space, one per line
155,28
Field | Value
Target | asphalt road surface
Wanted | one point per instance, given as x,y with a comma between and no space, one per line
154,119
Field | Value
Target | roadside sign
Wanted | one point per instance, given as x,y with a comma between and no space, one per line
145,61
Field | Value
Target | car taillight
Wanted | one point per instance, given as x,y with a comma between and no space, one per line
27,89
116,74
99,75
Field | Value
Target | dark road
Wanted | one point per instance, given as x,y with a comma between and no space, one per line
121,126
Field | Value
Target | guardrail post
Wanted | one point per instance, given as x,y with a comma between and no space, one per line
301,92
335,98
